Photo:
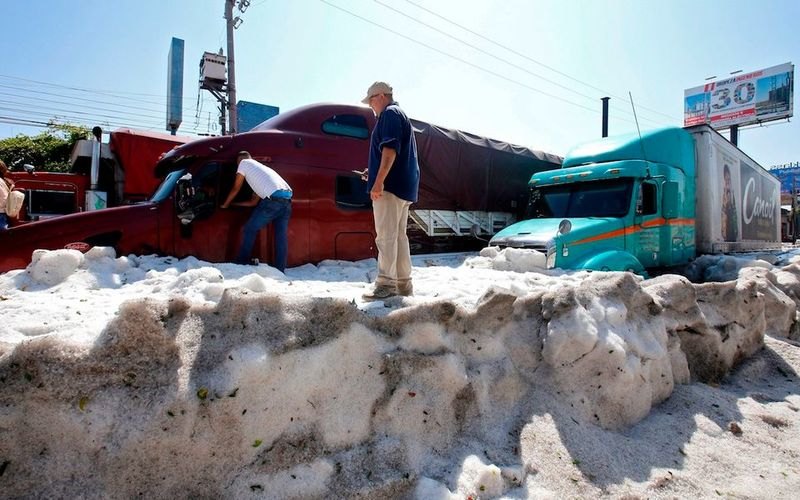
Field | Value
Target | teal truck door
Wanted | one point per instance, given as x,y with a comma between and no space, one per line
648,224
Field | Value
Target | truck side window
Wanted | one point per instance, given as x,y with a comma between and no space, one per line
351,192
196,195
646,202
49,203
206,190
207,181
227,174
347,126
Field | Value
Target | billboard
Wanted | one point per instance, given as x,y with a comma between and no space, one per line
745,99
250,114
175,85
789,175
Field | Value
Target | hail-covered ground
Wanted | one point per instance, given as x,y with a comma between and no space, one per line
156,377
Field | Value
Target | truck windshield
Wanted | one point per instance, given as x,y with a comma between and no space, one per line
167,185
608,198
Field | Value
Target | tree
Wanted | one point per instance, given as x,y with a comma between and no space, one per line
47,151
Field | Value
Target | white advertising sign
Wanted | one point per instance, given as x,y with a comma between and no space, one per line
754,97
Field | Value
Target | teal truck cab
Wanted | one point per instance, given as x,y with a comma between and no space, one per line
653,200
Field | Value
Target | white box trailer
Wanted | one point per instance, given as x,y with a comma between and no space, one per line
737,200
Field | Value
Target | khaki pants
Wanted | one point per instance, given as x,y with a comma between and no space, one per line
394,253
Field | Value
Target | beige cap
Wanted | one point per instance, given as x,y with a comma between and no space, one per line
375,89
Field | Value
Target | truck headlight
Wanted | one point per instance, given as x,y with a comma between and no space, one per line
550,262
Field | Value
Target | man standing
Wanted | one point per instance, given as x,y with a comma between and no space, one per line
272,198
393,184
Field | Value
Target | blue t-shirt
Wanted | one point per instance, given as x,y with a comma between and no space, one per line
394,130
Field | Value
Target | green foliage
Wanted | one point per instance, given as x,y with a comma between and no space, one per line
47,151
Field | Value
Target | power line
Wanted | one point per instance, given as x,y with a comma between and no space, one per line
109,93
129,118
529,58
81,102
39,99
157,114
481,68
21,121
65,120
73,112
506,61
90,120
46,125
82,99
468,63
70,119
13,120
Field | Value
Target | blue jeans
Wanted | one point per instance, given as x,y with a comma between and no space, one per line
277,212
3,221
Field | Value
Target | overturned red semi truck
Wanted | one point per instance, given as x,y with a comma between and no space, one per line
470,187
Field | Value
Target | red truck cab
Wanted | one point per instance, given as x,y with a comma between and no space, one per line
49,194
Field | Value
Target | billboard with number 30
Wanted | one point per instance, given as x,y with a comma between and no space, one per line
754,97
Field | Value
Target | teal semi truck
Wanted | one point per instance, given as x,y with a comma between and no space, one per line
650,200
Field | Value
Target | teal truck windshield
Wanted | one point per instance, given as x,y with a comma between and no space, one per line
607,198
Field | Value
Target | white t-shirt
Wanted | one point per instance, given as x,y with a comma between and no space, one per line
262,180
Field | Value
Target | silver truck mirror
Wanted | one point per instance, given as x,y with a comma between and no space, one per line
564,227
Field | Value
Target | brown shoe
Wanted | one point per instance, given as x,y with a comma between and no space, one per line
405,289
380,292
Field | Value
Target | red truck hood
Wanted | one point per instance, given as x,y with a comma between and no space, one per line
210,148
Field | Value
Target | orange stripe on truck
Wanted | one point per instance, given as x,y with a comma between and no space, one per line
651,224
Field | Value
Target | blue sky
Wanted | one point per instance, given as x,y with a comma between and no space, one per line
528,72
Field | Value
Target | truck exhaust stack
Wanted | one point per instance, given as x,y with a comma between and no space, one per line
96,200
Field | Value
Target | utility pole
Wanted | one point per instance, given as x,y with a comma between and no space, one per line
230,22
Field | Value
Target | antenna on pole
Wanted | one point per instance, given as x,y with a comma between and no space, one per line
641,144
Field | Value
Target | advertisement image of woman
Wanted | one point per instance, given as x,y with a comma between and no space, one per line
730,229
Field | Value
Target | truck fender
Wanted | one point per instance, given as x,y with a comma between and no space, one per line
613,260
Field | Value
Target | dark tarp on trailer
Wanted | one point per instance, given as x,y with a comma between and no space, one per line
462,171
